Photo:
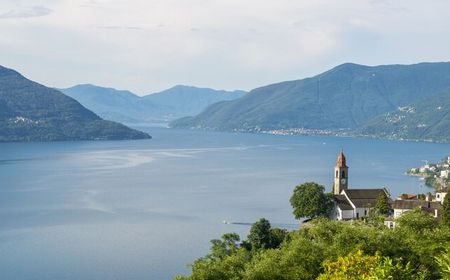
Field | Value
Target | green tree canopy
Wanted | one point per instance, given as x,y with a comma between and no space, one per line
382,204
326,248
309,200
416,221
277,236
259,236
445,216
220,248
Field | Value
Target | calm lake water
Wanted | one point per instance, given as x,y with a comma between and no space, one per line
145,209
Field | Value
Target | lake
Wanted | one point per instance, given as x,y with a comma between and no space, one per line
145,209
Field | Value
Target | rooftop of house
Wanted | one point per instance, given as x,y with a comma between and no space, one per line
408,196
415,203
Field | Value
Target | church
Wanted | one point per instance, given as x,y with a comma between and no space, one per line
351,203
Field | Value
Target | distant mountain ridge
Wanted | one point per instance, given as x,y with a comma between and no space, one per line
164,106
32,112
345,97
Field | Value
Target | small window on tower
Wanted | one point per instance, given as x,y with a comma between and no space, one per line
343,174
337,173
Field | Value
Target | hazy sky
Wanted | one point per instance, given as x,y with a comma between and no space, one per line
150,45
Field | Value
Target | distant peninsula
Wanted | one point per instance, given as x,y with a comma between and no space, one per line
32,112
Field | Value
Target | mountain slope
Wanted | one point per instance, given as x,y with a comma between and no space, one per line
111,104
181,101
346,96
164,106
424,120
32,112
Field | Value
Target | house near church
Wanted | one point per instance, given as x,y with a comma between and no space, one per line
351,203
401,206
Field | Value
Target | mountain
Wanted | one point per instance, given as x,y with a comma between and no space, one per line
345,97
124,106
427,119
189,101
32,112
111,104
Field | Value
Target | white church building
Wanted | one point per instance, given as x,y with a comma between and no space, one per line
351,203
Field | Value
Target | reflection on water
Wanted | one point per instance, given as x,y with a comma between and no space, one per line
145,209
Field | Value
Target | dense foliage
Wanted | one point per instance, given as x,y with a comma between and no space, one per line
345,97
32,112
360,266
418,248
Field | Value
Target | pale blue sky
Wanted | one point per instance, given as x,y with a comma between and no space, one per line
150,45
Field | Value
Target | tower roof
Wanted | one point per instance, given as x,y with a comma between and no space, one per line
341,162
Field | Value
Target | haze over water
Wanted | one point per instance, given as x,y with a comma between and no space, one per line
145,209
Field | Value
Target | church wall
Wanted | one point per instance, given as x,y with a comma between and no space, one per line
346,214
339,214
362,212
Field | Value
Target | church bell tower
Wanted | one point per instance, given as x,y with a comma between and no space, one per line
340,175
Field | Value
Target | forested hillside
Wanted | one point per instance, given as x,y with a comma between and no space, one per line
32,112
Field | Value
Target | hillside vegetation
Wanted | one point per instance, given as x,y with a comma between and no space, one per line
364,249
425,120
32,112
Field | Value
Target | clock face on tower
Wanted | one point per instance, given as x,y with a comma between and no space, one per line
343,181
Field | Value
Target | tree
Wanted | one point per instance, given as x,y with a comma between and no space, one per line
228,245
382,205
445,216
259,236
277,236
416,221
309,200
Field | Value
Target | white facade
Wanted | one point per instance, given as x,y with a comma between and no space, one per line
399,212
344,214
350,214
361,212
440,196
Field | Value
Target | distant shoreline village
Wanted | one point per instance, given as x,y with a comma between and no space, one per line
435,175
